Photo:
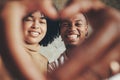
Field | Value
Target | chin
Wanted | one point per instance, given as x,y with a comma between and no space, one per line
72,44
32,42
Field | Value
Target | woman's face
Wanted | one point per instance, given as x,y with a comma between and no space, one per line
73,30
34,27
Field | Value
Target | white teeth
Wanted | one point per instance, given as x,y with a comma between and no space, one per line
34,34
72,36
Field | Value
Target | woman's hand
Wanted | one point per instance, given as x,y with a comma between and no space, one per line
12,15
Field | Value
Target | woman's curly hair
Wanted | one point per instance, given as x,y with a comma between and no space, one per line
52,32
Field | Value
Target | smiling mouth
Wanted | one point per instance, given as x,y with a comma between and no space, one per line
72,36
34,33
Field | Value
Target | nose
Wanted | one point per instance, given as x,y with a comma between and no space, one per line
36,25
72,27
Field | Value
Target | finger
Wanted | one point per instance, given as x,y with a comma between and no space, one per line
75,6
115,67
94,47
70,10
12,30
103,67
47,7
88,75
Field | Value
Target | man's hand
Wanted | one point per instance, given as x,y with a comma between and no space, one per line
97,51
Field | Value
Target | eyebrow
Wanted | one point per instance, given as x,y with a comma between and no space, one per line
41,17
78,20
66,20
30,16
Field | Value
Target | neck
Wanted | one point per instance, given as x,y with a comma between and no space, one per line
32,47
69,50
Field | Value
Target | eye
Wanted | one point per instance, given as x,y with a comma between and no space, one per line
65,24
78,24
42,21
28,19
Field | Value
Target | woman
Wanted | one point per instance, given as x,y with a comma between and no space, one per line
37,29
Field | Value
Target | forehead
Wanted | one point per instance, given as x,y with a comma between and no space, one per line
78,16
36,14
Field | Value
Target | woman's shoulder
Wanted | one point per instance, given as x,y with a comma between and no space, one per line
42,57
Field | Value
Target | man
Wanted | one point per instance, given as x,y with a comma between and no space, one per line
74,31
100,50
106,19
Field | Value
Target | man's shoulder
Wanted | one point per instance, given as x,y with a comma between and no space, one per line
57,63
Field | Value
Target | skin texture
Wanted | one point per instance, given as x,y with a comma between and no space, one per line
34,28
105,22
18,54
73,31
103,19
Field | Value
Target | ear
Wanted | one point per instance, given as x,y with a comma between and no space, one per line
86,30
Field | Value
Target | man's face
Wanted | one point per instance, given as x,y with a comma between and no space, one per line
73,30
